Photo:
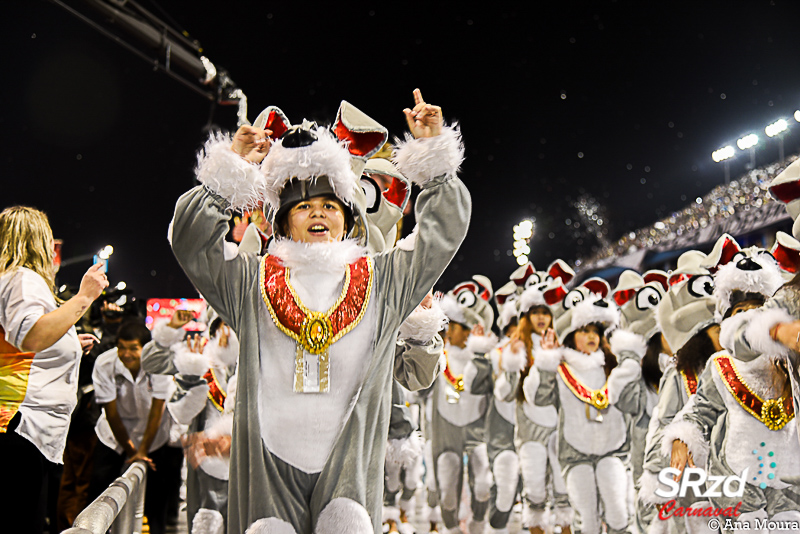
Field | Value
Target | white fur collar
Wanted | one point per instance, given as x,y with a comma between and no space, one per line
320,258
457,353
581,361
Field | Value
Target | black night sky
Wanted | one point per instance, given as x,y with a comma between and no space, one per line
617,99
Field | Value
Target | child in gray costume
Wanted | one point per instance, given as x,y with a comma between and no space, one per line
312,405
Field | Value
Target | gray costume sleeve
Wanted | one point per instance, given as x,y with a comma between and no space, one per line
547,392
158,360
510,384
417,366
708,404
199,227
624,386
189,398
400,425
410,269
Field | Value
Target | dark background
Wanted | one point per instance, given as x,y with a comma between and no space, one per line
621,100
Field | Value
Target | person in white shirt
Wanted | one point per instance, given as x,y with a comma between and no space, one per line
133,426
39,357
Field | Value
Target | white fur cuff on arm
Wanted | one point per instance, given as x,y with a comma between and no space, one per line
225,173
625,341
514,361
421,160
730,327
690,434
190,363
481,344
165,335
547,359
423,324
757,332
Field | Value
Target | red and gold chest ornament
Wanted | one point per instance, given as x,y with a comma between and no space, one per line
598,398
774,413
315,331
456,382
216,394
689,382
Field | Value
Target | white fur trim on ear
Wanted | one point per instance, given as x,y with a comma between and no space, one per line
343,515
481,344
548,359
208,522
423,323
687,432
324,157
507,313
421,160
189,363
165,335
270,525
228,175
757,332
625,341
514,361
731,326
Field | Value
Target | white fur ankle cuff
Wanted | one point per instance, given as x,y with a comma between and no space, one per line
421,160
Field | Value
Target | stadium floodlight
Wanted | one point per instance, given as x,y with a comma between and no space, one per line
121,286
776,127
748,141
522,260
722,154
797,115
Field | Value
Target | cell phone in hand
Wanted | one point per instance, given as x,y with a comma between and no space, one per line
97,259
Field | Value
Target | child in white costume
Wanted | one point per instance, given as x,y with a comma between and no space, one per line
535,439
743,409
460,399
312,403
592,405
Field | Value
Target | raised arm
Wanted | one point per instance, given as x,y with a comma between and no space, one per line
430,158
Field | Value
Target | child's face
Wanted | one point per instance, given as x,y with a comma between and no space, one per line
457,335
130,354
541,319
587,339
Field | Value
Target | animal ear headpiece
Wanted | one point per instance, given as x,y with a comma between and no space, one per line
589,299
638,312
468,303
786,188
688,306
751,273
786,252
308,161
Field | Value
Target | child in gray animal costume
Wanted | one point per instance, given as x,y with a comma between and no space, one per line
742,417
459,404
317,318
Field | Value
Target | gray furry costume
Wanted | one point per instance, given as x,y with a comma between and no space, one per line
301,461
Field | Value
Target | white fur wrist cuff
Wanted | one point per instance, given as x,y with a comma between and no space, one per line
165,335
757,332
422,160
514,361
687,432
189,363
423,324
226,174
547,359
625,341
730,327
481,344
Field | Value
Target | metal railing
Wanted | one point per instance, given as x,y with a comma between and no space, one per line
120,507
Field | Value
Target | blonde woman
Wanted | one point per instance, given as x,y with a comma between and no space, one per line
39,358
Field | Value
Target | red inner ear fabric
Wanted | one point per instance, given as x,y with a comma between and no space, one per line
360,143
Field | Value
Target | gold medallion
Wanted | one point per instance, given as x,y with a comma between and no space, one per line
599,399
773,414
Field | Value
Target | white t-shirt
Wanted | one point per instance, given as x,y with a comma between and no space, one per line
51,384
113,381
